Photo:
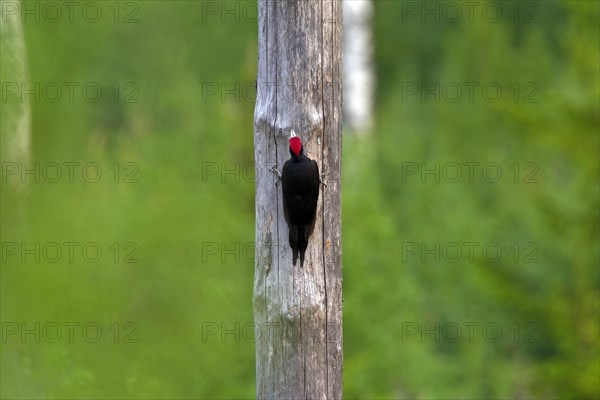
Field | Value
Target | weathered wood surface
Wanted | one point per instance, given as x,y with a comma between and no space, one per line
298,311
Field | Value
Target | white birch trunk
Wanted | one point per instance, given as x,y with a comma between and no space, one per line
359,76
15,114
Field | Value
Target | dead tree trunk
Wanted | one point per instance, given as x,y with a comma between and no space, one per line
298,310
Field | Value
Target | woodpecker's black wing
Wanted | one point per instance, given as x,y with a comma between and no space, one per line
300,187
313,195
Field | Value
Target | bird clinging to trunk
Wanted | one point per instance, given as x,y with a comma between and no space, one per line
300,185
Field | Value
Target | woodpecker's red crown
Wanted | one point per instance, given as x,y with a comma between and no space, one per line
296,145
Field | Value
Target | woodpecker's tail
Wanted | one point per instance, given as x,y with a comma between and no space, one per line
299,242
293,237
295,256
302,242
302,258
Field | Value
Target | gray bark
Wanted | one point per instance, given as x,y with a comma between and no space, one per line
298,310
15,114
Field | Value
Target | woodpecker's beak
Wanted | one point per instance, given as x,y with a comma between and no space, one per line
293,134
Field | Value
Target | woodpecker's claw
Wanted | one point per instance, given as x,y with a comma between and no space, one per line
276,172
322,178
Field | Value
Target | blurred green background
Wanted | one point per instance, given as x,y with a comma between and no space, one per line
423,317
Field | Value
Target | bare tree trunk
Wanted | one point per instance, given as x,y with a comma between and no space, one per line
15,114
298,310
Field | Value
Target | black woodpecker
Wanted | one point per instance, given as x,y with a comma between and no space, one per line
300,185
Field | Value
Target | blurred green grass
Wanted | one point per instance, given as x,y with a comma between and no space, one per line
175,209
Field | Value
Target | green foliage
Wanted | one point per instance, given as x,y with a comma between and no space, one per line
542,212
402,305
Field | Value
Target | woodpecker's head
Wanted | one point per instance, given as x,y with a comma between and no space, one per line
296,148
